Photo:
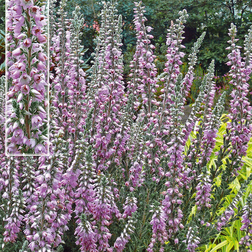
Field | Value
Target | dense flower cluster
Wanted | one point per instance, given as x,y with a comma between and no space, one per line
240,106
247,224
143,70
124,170
159,233
27,101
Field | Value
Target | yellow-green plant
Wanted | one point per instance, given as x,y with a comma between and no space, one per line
228,239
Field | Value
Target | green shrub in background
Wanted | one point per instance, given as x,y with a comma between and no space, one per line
212,16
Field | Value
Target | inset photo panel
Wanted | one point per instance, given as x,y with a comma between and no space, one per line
27,78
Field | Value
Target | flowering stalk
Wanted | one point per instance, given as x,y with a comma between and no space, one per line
240,106
2,113
13,195
171,71
108,134
27,124
246,241
230,213
202,145
124,238
69,81
85,196
192,239
175,168
61,62
189,76
143,70
159,233
239,128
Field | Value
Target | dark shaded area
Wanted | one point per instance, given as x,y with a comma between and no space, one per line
212,16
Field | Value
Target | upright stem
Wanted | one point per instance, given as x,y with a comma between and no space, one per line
27,125
78,87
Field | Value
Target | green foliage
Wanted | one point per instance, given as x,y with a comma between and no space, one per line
228,239
90,10
222,85
212,16
69,238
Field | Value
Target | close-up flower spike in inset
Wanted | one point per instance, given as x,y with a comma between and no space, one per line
27,117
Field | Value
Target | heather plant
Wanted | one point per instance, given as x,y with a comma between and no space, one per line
26,84
228,239
125,172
